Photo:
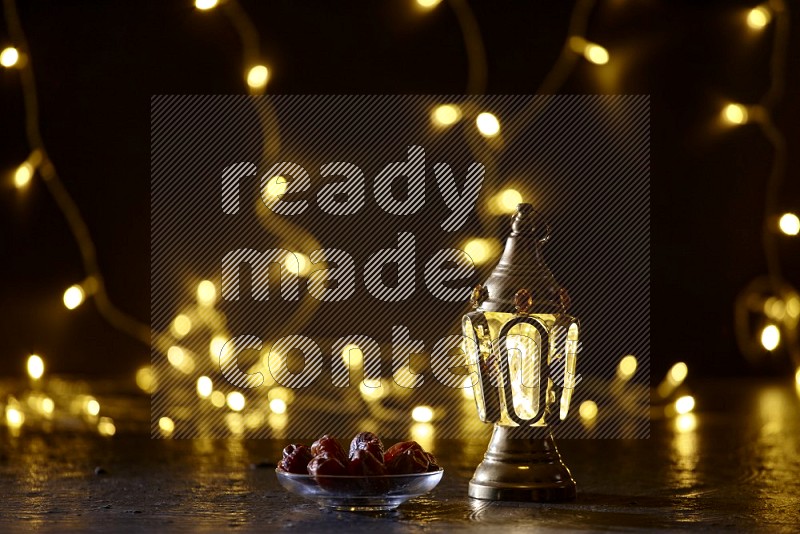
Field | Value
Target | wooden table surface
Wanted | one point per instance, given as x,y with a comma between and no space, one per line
737,469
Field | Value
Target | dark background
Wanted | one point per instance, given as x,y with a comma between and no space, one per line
97,63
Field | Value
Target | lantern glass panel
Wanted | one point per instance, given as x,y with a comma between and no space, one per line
524,346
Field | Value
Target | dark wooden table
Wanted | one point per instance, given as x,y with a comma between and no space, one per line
738,469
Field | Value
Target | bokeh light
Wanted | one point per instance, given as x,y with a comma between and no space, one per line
684,404
166,425
276,186
92,407
677,373
588,410
74,296
770,337
685,422
277,406
181,325
14,417
235,401
627,367
218,399
428,4
422,414
480,250
596,54
488,125
445,115
204,387
205,4
789,224
35,366
206,293
106,427
144,379
298,264
758,17
23,175
257,77
9,57
506,201
735,114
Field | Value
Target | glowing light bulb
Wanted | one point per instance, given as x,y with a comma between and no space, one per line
479,250
35,366
298,264
106,427
205,4
92,407
685,422
9,57
204,387
218,399
770,337
216,346
277,406
506,201
257,77
206,292
627,366
277,421
48,406
284,394
684,404
371,392
181,325
176,356
735,113
677,373
488,125
789,224
588,410
353,355
166,425
144,379
235,401
445,115
14,418
23,175
428,4
422,414
595,54
276,186
74,297
758,17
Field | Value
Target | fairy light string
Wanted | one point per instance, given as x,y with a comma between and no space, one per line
40,162
486,128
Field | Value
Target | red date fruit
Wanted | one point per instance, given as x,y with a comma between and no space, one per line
295,459
369,442
432,464
364,463
324,468
328,445
369,469
400,448
326,465
410,461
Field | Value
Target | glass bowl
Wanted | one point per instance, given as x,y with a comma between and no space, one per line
360,493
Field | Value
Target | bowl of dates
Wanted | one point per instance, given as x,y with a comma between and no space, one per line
361,478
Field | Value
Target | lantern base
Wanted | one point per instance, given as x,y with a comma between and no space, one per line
522,465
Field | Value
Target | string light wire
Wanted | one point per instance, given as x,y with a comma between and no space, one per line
473,43
66,204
